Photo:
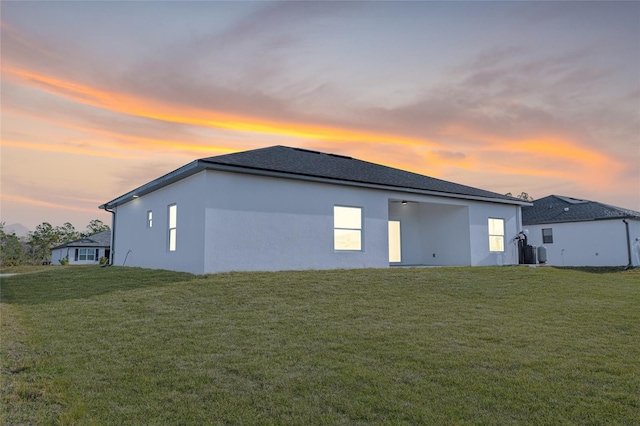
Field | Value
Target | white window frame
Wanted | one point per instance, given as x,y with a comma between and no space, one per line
549,236
149,218
86,254
172,228
342,228
496,236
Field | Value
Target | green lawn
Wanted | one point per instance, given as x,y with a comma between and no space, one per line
400,346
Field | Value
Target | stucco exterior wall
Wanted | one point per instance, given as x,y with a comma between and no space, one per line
136,244
238,222
263,223
593,243
479,229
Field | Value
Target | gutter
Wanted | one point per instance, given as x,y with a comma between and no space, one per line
310,178
113,235
630,264
158,183
200,165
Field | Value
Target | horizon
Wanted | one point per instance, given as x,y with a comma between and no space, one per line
541,98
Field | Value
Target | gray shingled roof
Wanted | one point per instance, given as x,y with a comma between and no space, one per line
303,162
557,208
298,163
101,239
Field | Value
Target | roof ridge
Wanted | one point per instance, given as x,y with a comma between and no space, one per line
306,164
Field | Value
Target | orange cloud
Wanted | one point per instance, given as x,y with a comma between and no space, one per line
133,142
136,106
536,155
42,203
485,153
68,149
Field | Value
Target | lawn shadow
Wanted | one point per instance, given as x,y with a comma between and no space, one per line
82,283
593,269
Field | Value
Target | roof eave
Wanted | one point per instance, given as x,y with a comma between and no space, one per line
595,219
172,177
203,164
262,172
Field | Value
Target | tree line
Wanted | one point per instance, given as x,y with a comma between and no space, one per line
36,247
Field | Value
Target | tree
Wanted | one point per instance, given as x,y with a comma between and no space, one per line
95,226
41,240
66,233
11,251
523,196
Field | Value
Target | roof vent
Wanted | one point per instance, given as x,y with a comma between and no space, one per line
341,156
566,209
307,150
572,200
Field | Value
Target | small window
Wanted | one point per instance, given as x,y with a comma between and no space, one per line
173,222
547,235
496,234
149,219
347,228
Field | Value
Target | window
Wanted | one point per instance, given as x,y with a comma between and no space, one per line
149,219
496,234
347,228
87,254
547,235
173,221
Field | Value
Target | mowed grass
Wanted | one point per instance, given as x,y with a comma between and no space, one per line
400,346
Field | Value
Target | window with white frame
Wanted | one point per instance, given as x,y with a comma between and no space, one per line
347,228
173,222
496,234
149,219
547,235
87,254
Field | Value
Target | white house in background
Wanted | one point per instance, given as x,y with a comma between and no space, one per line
84,251
282,208
583,233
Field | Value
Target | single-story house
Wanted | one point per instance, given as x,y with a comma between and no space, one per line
579,232
282,208
84,251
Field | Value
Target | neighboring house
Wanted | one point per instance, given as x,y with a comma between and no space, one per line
84,251
282,208
583,233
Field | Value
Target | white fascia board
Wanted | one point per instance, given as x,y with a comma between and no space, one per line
600,219
270,173
199,165
171,177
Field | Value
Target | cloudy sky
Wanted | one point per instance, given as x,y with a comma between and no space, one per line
101,97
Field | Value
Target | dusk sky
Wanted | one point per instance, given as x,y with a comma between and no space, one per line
101,97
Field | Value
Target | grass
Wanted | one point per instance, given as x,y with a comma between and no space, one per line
400,346
26,269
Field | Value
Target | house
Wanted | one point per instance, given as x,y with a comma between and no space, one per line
579,232
282,208
84,251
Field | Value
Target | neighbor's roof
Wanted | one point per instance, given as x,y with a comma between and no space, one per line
557,209
101,239
303,164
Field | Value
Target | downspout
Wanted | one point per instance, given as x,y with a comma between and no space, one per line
113,236
630,264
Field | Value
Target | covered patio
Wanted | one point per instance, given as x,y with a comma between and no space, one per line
428,234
